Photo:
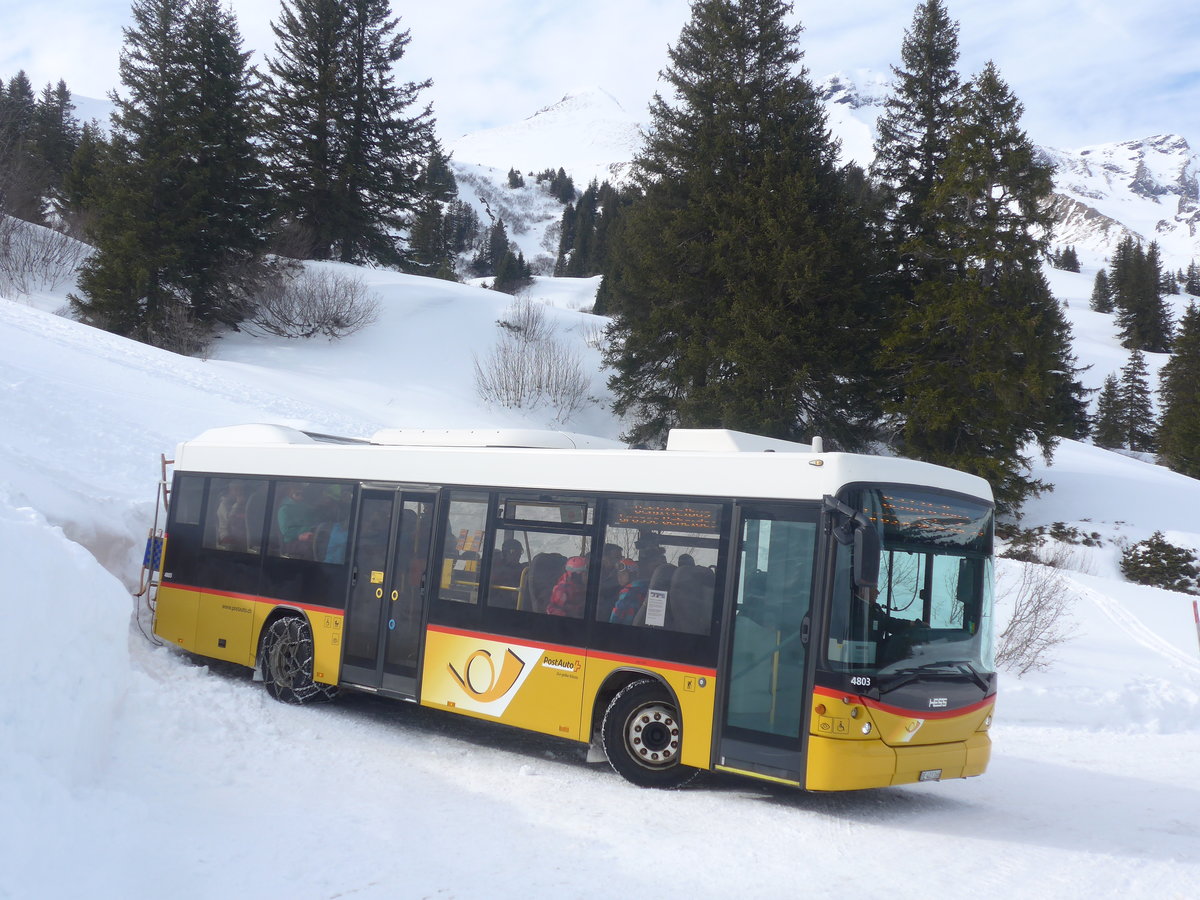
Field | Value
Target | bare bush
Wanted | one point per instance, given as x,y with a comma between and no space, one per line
313,303
1040,620
34,258
595,333
178,331
529,366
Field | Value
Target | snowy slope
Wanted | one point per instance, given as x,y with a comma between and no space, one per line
162,775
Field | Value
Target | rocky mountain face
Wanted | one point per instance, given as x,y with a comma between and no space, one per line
1148,188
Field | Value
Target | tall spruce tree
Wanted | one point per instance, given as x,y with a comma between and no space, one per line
1137,404
1179,391
22,178
182,216
1143,320
735,274
1102,295
1108,425
431,250
982,353
346,144
914,138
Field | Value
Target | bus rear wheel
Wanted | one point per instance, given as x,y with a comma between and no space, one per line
642,734
287,662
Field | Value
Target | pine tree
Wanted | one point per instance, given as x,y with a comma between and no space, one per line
1159,563
57,133
733,275
431,239
1102,295
914,136
1179,391
182,216
83,181
1191,282
346,146
1108,425
22,176
1137,404
1067,260
1143,320
988,326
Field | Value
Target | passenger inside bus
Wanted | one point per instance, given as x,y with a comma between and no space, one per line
569,593
631,595
298,518
610,584
231,517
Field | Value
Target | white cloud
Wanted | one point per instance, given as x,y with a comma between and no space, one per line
1086,70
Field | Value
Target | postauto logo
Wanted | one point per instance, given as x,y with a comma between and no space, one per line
480,679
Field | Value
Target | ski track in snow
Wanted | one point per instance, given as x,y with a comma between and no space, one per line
1124,619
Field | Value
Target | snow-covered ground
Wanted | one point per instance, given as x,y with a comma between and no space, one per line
131,771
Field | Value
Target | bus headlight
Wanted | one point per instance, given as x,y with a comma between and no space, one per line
866,729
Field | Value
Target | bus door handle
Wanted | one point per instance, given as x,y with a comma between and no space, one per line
804,626
354,576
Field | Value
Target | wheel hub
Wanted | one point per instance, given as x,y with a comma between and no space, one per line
652,733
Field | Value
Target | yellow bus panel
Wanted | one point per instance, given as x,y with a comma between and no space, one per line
520,683
175,613
225,627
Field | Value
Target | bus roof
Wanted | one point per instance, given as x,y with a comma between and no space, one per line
698,462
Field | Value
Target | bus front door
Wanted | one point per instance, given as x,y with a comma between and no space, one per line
768,685
384,611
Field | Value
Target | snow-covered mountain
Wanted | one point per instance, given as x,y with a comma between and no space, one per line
587,133
1146,187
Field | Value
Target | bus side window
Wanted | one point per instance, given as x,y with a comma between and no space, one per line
462,547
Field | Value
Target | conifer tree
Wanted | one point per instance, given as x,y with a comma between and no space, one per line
1102,295
1143,320
987,327
182,215
345,142
57,134
1137,404
431,250
22,180
1067,259
1191,282
1108,425
736,270
1179,391
83,181
914,136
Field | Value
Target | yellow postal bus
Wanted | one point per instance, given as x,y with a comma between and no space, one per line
731,603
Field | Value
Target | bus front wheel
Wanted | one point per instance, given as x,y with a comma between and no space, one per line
643,734
287,662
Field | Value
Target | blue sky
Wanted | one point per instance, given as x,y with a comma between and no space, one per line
1088,71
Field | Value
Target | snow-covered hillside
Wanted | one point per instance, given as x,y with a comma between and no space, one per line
132,771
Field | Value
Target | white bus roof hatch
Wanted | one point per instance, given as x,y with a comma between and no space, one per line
722,440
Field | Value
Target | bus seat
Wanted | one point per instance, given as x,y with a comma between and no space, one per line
256,512
539,579
321,540
691,603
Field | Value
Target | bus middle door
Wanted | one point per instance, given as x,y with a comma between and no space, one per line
768,684
384,612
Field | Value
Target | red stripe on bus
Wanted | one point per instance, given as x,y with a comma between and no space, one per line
254,598
563,648
901,711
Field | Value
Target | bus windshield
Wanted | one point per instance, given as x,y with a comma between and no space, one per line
933,606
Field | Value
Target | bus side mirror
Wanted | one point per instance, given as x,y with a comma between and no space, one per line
866,557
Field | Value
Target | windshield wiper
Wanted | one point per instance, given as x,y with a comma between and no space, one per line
941,667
